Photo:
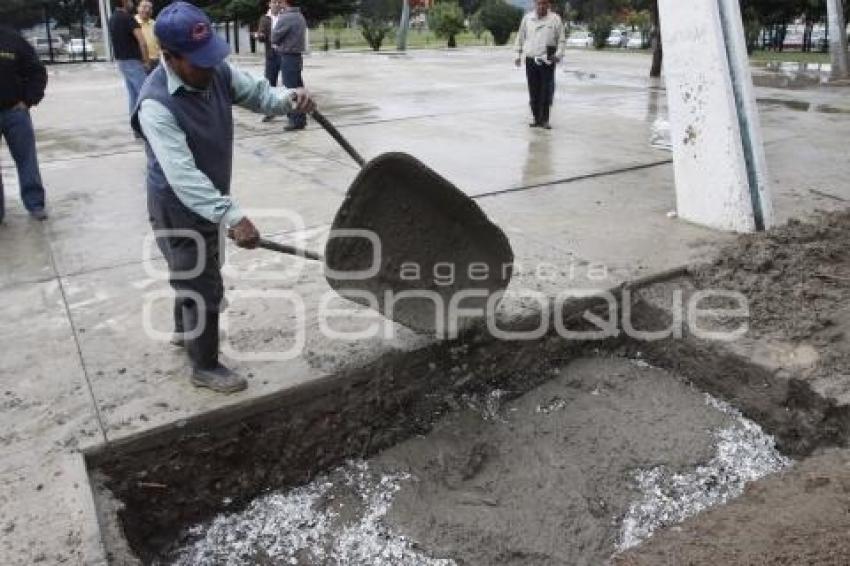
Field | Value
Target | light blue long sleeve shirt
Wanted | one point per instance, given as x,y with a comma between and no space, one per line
168,142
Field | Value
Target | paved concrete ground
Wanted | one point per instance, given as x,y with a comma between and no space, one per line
590,196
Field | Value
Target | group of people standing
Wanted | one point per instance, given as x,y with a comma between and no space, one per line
283,33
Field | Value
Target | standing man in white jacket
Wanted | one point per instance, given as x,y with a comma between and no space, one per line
541,41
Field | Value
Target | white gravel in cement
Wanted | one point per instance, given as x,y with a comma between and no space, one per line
303,526
744,453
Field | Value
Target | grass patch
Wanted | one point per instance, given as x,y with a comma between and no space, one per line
789,57
351,38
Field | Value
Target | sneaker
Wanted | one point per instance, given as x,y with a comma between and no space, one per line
219,379
177,340
533,125
267,119
291,128
546,126
39,214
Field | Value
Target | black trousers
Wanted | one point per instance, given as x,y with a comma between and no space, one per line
541,88
272,70
195,272
291,65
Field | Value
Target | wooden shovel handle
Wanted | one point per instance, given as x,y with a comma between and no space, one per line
287,249
329,128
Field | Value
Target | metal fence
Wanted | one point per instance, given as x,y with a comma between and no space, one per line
60,31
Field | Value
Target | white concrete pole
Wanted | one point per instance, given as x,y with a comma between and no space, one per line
718,158
837,39
404,24
103,5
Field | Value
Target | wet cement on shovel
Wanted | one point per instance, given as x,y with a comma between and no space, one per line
435,245
591,461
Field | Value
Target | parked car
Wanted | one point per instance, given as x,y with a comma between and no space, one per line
637,40
580,38
793,41
618,38
42,45
77,47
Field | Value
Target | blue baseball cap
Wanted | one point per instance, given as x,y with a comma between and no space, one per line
185,30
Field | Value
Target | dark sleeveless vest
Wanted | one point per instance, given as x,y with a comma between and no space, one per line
207,119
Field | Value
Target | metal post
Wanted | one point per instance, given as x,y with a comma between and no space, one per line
83,27
837,39
227,31
47,27
235,33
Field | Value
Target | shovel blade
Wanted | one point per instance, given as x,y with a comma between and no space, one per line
417,249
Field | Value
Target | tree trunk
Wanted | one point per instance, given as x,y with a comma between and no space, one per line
657,52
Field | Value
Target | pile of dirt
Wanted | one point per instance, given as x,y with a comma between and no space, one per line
796,276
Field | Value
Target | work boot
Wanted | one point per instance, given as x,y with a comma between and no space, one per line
203,351
219,379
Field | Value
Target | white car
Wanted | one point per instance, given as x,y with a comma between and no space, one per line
618,38
580,39
77,46
42,46
636,41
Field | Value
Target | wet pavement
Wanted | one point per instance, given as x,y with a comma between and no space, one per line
590,197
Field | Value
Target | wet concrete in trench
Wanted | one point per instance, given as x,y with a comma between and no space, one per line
590,462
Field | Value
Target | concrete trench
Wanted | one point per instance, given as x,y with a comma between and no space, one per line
468,452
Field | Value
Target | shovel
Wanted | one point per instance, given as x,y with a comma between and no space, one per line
409,244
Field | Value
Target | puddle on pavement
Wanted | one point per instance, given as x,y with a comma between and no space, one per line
802,106
791,75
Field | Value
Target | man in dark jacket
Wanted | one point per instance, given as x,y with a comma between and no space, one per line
22,82
289,37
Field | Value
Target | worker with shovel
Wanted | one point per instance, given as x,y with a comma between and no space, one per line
185,114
